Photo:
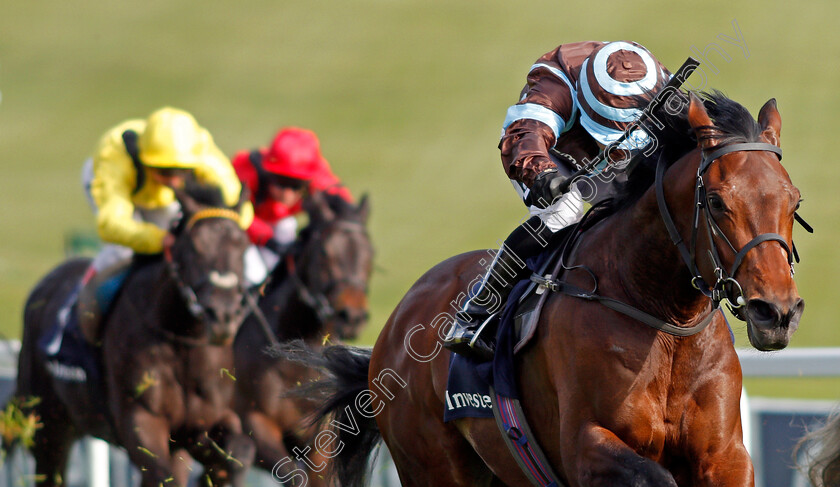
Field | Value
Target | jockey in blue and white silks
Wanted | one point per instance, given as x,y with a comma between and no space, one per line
579,98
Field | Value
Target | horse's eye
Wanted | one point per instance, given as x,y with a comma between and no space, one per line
715,203
798,203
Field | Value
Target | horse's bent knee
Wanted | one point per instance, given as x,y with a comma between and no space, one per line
630,470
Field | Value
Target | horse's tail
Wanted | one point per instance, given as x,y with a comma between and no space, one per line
821,449
347,377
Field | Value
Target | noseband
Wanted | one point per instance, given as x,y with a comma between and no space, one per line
194,306
724,281
317,300
725,286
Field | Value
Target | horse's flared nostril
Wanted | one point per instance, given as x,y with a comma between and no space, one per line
763,313
795,312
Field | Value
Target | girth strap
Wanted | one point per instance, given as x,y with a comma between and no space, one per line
510,419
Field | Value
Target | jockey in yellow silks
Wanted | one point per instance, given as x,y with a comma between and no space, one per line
170,144
129,182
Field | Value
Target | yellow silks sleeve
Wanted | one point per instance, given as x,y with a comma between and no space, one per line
216,170
246,215
114,179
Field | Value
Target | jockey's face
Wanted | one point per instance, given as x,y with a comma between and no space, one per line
286,191
169,177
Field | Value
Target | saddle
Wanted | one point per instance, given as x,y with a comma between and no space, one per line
468,393
95,300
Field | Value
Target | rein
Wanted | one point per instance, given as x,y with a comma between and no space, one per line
716,293
194,306
719,291
318,301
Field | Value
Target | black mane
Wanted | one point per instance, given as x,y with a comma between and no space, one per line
677,139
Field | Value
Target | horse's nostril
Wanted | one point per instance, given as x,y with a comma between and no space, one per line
763,313
799,307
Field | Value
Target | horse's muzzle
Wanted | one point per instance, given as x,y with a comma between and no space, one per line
221,331
770,325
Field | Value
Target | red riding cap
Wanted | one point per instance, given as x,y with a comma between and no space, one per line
294,153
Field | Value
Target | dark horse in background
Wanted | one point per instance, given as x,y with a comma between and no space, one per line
166,344
318,293
611,400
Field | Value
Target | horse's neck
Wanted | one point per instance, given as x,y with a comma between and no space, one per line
164,306
290,317
644,263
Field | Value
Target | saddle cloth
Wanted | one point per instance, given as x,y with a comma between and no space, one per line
468,383
68,357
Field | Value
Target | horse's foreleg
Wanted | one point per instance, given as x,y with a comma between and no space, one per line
226,452
268,436
605,460
146,439
181,466
730,467
52,448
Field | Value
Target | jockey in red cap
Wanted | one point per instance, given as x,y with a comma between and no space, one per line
578,99
279,177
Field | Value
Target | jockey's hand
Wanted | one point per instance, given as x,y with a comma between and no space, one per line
546,188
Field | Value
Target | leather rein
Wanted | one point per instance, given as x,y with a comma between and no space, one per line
317,300
726,287
188,294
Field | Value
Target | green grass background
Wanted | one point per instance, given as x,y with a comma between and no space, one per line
408,97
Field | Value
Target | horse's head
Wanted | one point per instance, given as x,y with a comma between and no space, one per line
206,262
748,202
334,262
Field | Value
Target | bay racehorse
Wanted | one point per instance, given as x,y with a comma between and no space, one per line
166,348
317,294
611,400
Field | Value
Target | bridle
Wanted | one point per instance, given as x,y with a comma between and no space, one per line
194,306
726,287
724,279
318,300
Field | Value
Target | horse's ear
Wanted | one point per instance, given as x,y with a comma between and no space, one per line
770,121
318,208
189,205
363,208
705,130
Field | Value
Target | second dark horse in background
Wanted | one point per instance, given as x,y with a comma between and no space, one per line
318,293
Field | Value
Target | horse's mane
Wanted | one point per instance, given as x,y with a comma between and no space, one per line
733,122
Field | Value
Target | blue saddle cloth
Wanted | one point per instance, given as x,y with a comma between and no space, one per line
468,383
68,357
